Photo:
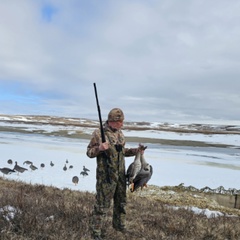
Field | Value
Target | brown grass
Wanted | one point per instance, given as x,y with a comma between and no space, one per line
51,213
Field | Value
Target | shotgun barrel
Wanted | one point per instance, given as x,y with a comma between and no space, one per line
106,158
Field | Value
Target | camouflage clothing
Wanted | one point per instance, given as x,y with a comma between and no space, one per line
115,190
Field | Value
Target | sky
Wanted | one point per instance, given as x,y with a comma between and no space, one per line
158,60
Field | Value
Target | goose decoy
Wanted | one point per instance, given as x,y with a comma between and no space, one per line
10,161
51,164
65,168
71,166
66,161
135,167
27,162
6,170
75,180
85,169
83,173
42,165
19,169
33,167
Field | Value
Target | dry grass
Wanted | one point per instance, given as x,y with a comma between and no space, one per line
51,213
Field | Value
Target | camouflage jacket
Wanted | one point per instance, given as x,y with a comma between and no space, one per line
115,153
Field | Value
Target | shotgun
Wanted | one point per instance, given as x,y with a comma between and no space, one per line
106,158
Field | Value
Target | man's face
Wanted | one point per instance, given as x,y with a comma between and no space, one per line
116,125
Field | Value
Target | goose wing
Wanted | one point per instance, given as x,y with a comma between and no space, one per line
142,178
129,173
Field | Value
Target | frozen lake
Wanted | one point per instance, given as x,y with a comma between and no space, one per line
172,165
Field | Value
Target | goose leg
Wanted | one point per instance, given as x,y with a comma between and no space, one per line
132,187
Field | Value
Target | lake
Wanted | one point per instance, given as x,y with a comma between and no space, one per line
172,165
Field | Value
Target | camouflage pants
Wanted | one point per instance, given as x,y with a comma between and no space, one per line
106,192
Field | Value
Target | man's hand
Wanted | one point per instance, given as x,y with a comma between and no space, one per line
103,146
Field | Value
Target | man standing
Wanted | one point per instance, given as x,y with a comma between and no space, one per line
111,180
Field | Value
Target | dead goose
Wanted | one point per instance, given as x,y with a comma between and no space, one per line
135,167
6,170
75,180
33,168
19,169
143,176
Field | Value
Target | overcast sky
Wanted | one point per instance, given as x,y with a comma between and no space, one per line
158,60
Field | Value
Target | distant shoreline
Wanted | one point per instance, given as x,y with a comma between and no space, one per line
82,129
81,135
134,126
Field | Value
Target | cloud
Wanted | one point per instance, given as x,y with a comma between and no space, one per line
158,60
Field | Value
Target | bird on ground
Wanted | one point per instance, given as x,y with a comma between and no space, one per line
33,168
6,170
51,164
65,168
27,162
75,180
135,167
71,166
84,173
42,165
85,169
10,161
19,169
66,161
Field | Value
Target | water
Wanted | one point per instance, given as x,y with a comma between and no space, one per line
172,165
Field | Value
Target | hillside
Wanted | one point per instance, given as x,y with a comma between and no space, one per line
40,212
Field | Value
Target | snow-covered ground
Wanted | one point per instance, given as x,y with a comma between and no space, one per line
172,165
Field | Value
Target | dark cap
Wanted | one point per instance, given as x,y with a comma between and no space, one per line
116,114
